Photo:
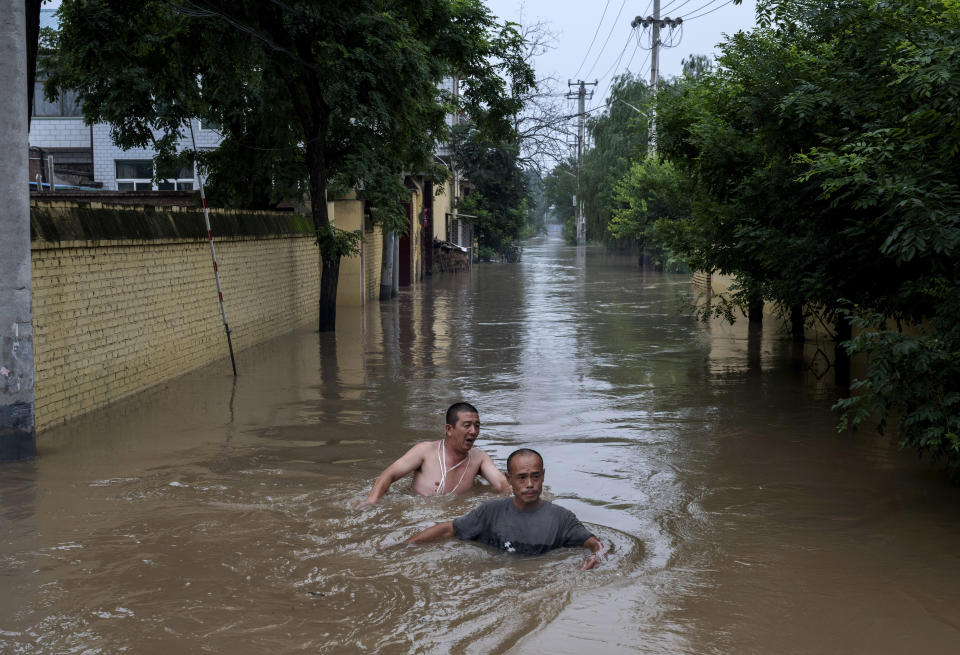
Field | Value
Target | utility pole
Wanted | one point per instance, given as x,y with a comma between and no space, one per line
655,45
17,427
655,23
582,95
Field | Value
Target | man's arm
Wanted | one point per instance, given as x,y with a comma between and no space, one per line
438,532
493,475
407,464
594,560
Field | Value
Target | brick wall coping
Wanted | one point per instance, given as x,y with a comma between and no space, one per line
62,222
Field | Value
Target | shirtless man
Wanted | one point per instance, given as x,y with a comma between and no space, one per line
445,466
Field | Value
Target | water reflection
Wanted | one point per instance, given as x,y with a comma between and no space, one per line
216,516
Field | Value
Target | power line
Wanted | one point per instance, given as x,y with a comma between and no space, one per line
594,39
607,40
632,55
617,62
711,11
670,6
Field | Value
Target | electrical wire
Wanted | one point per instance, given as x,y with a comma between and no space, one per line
607,40
707,12
617,62
632,55
670,6
593,40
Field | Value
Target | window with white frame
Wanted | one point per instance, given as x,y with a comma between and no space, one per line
137,175
134,174
180,180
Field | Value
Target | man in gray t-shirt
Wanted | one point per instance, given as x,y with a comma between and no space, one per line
523,524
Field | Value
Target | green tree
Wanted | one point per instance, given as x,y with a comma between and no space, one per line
560,189
498,195
350,89
822,154
651,198
619,135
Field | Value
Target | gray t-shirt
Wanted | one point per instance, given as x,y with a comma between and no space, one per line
499,523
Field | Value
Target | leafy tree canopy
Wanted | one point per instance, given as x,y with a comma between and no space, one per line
499,189
823,157
348,90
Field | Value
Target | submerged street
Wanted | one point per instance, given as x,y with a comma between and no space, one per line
209,515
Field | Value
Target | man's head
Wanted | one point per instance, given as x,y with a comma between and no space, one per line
463,426
525,473
453,412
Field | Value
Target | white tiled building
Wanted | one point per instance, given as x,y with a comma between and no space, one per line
58,129
69,141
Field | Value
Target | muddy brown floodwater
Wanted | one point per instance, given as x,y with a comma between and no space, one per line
205,516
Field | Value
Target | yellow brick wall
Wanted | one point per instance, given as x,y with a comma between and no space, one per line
372,259
112,318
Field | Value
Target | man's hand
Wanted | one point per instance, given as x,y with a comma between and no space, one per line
591,562
410,462
594,560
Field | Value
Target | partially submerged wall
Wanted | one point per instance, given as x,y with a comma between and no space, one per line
125,298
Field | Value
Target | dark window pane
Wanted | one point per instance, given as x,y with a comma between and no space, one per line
71,104
124,186
41,107
134,168
185,186
144,186
166,186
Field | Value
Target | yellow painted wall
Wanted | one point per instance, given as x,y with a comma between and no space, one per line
114,317
416,236
441,207
348,215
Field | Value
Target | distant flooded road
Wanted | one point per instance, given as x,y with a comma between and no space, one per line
208,516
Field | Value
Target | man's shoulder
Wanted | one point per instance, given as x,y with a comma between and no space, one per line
423,447
477,452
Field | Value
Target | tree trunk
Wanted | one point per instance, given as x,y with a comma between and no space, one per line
796,322
755,308
386,267
329,277
395,278
844,332
330,263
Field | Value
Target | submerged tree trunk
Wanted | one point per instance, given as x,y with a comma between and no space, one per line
386,267
329,278
796,322
844,332
395,280
329,262
755,308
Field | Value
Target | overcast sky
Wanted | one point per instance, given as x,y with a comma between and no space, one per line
615,48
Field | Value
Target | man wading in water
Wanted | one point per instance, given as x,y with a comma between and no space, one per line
523,524
445,466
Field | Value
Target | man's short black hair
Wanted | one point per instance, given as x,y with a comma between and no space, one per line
453,413
523,451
